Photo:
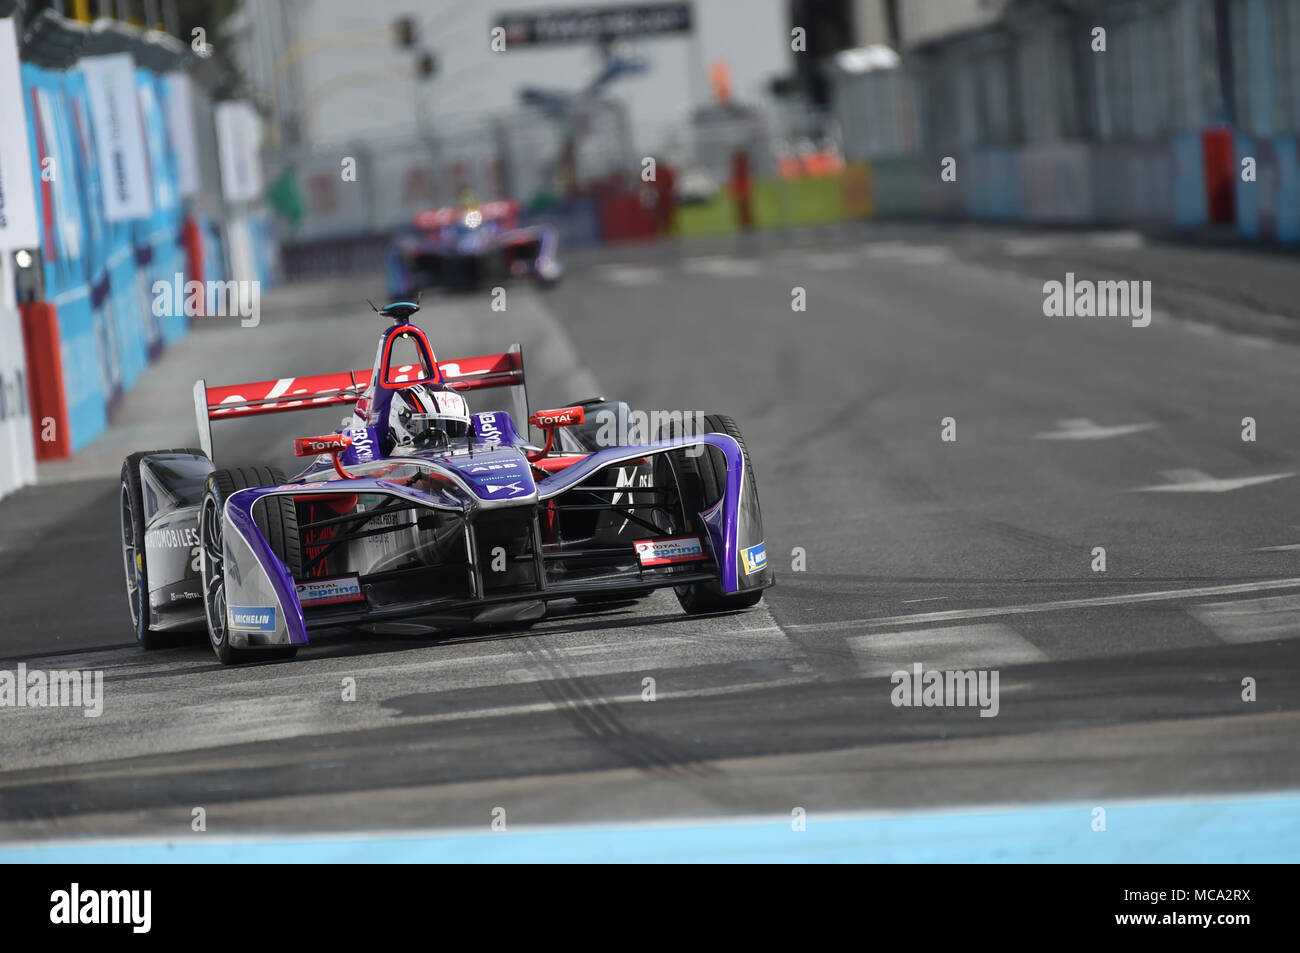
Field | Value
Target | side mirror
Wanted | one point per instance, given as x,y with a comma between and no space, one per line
333,444
549,421
564,417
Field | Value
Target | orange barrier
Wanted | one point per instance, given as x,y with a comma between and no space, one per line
50,432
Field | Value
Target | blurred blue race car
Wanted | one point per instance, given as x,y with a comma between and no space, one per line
467,246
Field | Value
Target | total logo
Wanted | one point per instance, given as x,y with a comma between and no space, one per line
329,443
324,592
662,552
556,420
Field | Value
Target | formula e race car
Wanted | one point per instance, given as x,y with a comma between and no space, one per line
465,247
419,516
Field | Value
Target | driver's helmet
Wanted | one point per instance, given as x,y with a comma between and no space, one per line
426,416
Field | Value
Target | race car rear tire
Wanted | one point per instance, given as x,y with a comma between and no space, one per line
131,499
701,481
277,521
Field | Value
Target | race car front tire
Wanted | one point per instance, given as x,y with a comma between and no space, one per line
131,499
277,521
701,481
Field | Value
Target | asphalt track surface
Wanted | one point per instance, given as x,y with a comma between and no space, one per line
891,545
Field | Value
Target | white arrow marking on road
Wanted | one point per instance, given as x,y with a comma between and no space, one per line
1117,240
1021,247
1081,428
723,266
908,253
1198,481
1289,547
829,260
632,276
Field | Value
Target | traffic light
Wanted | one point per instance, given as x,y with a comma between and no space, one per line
426,65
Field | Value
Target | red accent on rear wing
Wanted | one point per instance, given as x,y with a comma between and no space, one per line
287,393
435,218
229,401
491,370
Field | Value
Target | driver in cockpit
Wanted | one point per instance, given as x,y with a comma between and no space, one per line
426,417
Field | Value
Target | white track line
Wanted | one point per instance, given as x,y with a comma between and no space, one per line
988,612
951,647
1252,620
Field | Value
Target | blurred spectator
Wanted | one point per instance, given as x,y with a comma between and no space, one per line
742,189
665,186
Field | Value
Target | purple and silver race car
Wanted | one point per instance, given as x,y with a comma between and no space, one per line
420,512
462,248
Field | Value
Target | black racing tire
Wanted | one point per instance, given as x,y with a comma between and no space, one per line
131,502
276,519
701,481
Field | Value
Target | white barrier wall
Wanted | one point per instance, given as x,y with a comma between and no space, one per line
17,456
17,230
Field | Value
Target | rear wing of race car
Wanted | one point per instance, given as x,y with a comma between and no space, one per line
235,401
435,218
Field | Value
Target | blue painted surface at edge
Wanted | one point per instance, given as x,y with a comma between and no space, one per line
1287,151
1190,209
993,189
83,383
1247,193
1230,829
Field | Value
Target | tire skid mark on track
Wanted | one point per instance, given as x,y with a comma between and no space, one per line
593,715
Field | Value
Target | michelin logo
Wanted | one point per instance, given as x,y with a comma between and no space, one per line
251,618
754,559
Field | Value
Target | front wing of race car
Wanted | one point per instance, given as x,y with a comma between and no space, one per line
268,606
